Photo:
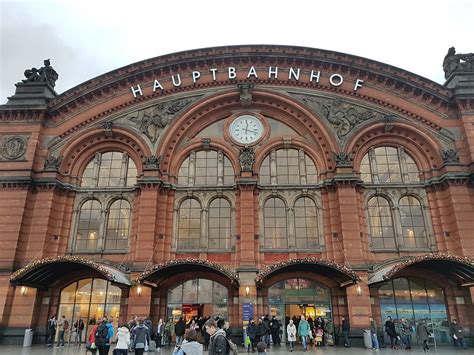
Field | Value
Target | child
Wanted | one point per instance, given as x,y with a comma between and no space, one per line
261,347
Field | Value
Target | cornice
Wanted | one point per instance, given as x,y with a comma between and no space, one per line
374,73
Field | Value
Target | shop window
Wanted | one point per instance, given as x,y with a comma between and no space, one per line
206,168
110,169
385,165
90,299
381,223
219,225
288,167
189,225
413,225
274,220
306,223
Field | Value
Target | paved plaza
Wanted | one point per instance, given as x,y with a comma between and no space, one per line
73,350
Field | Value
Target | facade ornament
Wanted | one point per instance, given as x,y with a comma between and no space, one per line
247,159
14,147
44,74
389,122
343,159
245,94
450,156
206,143
343,116
52,163
108,129
457,62
151,121
152,163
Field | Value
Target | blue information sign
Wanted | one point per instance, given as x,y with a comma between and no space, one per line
247,311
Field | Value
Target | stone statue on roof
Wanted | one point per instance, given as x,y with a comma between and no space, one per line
457,62
44,74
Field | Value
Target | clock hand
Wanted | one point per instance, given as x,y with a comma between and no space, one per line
246,125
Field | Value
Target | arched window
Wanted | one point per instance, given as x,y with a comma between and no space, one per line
189,224
288,167
384,165
413,224
274,220
206,168
306,223
88,228
110,169
118,226
219,224
381,223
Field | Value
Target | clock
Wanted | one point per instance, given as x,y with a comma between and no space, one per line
246,129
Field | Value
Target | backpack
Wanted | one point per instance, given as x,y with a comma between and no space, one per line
66,324
232,348
101,335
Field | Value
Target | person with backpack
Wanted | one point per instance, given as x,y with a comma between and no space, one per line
90,345
51,331
140,337
101,336
110,334
218,341
275,328
190,345
252,334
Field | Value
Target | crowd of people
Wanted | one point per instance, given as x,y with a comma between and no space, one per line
196,335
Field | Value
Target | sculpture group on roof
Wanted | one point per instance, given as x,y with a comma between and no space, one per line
44,74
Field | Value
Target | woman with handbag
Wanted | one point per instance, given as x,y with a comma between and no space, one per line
123,340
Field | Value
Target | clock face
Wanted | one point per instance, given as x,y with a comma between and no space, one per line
246,129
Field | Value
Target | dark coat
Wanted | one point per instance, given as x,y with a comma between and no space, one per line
390,328
252,331
345,325
422,332
180,328
218,343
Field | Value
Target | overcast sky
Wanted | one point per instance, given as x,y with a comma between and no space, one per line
87,38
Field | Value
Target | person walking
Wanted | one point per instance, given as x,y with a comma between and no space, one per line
51,331
140,337
457,334
190,345
268,330
275,329
62,324
391,332
303,331
160,331
346,328
423,334
260,331
291,334
218,342
179,330
90,346
373,334
252,334
79,325
101,336
123,340
405,332
168,333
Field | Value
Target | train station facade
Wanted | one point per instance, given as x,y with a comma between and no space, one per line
237,182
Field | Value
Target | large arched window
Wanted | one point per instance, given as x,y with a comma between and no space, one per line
385,165
274,220
219,225
91,300
381,223
206,168
306,223
413,224
88,228
110,169
189,224
118,225
288,167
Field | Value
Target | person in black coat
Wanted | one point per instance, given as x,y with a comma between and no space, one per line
346,328
179,329
252,334
218,341
260,331
275,329
391,332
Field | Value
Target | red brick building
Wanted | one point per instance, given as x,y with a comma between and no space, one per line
239,181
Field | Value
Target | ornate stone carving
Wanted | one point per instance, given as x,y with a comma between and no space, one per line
44,74
343,116
206,143
245,94
450,156
52,163
13,147
108,129
389,120
151,121
152,163
246,159
457,62
343,159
